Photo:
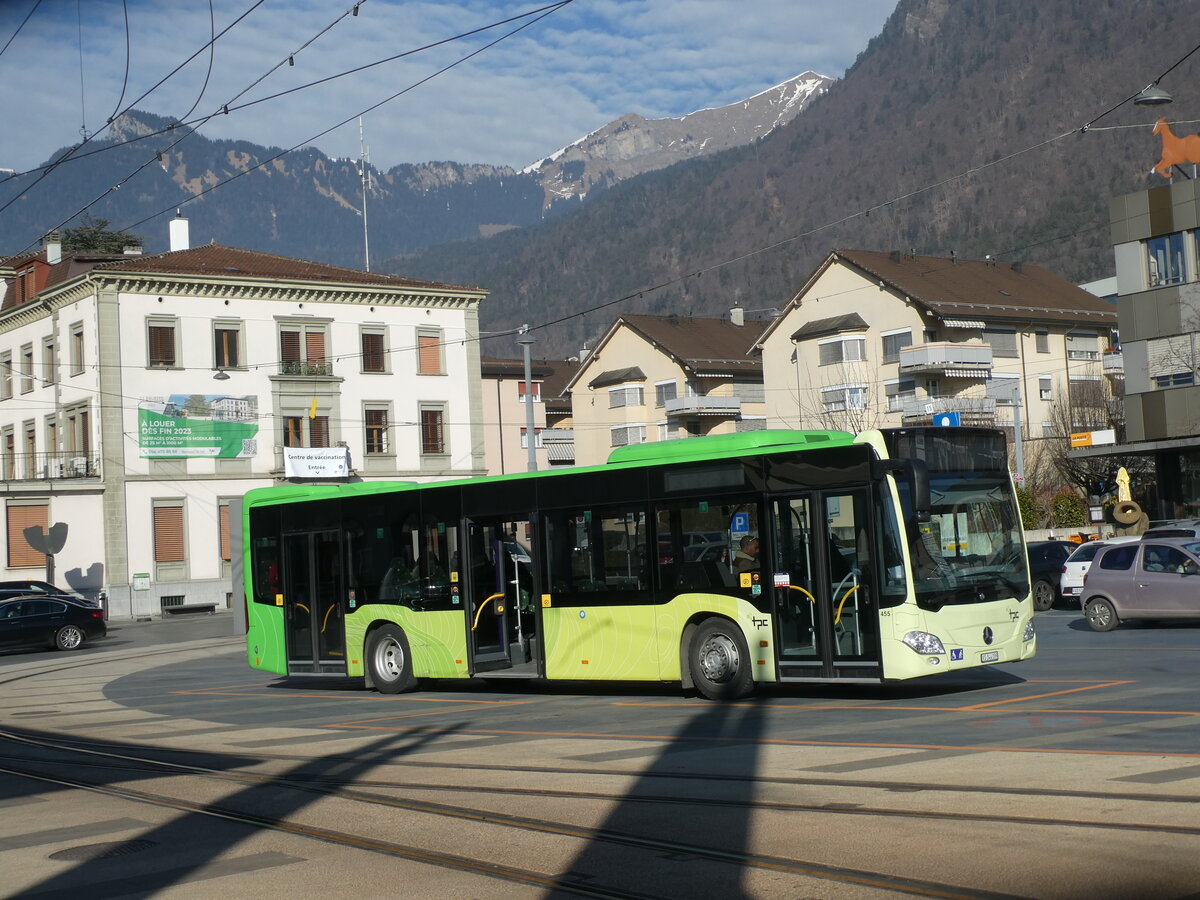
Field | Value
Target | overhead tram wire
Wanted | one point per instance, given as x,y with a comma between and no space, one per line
539,13
28,15
87,138
230,107
125,82
416,84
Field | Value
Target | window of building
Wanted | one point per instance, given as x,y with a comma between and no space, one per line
51,432
840,350
1083,346
1049,429
751,423
624,396
1046,387
1176,379
1042,341
168,531
1003,341
10,454
668,431
306,431
318,431
844,397
302,349
376,437
750,391
537,391
1002,388
27,368
49,361
899,391
1165,259
78,434
537,438
161,348
224,543
374,356
623,435
6,376
21,515
429,352
227,345
894,342
664,391
29,449
1171,361
77,349
433,432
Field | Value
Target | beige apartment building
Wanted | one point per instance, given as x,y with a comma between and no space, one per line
656,378
890,339
504,414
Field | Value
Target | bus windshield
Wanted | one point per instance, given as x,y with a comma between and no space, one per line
971,550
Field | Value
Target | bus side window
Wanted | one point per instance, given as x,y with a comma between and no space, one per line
602,549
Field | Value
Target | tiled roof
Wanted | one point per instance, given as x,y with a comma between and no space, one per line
561,373
217,261
617,376
500,367
71,265
832,325
704,345
984,289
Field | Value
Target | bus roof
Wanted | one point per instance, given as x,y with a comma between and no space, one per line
721,446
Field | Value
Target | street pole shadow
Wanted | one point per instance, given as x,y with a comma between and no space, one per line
661,806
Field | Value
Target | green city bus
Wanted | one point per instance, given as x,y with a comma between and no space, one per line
716,562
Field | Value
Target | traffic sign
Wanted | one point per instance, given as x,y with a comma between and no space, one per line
950,419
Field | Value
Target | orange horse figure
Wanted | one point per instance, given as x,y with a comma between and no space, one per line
1175,150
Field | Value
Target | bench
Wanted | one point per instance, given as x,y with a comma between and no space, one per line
209,608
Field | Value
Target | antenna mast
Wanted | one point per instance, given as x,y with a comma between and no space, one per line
362,172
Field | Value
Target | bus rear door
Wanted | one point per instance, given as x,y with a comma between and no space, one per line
313,589
821,576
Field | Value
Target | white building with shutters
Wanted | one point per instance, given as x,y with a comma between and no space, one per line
141,395
891,339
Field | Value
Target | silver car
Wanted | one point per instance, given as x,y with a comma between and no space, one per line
1147,579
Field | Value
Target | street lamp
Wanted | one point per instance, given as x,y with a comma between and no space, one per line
1152,95
526,341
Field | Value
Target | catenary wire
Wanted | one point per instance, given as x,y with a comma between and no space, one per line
13,36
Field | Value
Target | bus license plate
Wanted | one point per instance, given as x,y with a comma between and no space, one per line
990,656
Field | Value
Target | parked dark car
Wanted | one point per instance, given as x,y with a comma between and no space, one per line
45,588
1157,578
1046,559
59,622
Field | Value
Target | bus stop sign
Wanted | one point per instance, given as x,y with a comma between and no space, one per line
951,419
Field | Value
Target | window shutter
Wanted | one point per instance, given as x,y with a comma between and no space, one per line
429,353
168,534
162,345
314,346
223,520
372,352
376,430
20,518
318,431
431,431
289,346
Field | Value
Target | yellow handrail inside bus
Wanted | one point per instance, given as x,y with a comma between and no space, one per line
846,596
325,621
302,606
481,606
811,598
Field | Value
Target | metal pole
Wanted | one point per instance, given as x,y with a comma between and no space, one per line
1017,434
526,341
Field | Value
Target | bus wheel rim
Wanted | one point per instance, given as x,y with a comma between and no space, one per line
389,659
719,658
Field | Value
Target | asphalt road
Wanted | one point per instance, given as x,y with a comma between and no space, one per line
1076,774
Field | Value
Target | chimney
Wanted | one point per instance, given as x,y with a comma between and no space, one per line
179,233
584,353
53,245
737,316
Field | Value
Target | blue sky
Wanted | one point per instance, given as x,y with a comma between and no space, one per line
571,73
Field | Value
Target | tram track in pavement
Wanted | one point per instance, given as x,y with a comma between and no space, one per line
127,765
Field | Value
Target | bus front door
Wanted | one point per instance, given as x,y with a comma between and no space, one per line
312,602
823,591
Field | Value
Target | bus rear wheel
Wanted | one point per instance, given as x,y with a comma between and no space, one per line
389,664
719,660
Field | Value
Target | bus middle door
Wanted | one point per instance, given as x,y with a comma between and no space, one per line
312,599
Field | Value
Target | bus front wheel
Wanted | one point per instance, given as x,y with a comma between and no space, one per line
719,660
389,663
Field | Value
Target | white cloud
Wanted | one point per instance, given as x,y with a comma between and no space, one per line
581,67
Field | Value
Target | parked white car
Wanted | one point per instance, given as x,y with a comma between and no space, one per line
1077,564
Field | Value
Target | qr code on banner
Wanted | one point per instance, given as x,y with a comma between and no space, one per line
249,447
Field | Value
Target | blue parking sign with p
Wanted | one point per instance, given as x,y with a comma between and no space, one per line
739,524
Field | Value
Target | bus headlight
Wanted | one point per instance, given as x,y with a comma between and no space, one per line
1028,631
924,642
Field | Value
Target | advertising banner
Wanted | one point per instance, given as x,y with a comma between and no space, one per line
186,425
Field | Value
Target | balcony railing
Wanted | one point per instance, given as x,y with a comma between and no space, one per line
557,434
977,411
1113,363
306,368
49,466
948,359
703,406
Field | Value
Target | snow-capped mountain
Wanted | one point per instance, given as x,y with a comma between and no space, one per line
632,144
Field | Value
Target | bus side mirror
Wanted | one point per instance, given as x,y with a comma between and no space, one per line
917,474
